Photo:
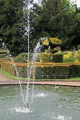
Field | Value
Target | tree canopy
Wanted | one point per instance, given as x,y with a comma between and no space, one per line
11,25
50,18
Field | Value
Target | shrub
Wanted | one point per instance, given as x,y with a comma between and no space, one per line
78,47
51,50
57,48
7,58
52,41
52,72
76,55
46,42
65,52
22,58
3,53
55,41
75,71
67,57
48,57
22,71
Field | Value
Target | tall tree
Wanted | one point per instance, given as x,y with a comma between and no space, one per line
54,18
11,25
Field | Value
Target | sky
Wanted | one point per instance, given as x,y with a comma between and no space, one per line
77,1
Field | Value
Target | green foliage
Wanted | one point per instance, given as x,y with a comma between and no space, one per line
52,41
22,71
51,50
54,72
78,47
57,48
22,58
49,57
51,18
3,53
69,56
7,58
74,70
11,25
55,18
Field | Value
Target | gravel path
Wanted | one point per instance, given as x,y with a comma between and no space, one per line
6,81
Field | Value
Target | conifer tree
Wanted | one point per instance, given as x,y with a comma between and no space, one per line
11,25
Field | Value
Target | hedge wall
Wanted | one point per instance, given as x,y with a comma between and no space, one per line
9,67
54,72
74,71
49,57
44,70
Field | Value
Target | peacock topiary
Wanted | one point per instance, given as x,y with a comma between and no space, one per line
51,46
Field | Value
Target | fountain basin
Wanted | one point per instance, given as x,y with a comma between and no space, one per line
50,103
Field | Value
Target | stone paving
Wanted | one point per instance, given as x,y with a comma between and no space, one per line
6,81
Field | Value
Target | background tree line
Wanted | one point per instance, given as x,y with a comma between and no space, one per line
50,18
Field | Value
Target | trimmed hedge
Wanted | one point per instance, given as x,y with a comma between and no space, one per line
44,70
51,50
9,67
49,57
75,71
54,72
22,71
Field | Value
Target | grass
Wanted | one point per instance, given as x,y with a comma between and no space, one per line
10,76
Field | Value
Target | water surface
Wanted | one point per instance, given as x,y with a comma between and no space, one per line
50,103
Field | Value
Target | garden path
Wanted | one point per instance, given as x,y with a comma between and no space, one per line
6,81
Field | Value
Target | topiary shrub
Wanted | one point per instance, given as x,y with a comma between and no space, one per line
56,49
51,50
49,57
3,53
7,58
22,58
52,41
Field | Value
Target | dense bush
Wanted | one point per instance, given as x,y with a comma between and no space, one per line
8,67
52,72
75,71
22,71
56,49
52,41
69,56
48,57
51,50
3,53
22,58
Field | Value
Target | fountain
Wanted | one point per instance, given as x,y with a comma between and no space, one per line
50,103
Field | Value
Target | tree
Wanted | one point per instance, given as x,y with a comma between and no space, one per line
54,19
76,41
11,25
